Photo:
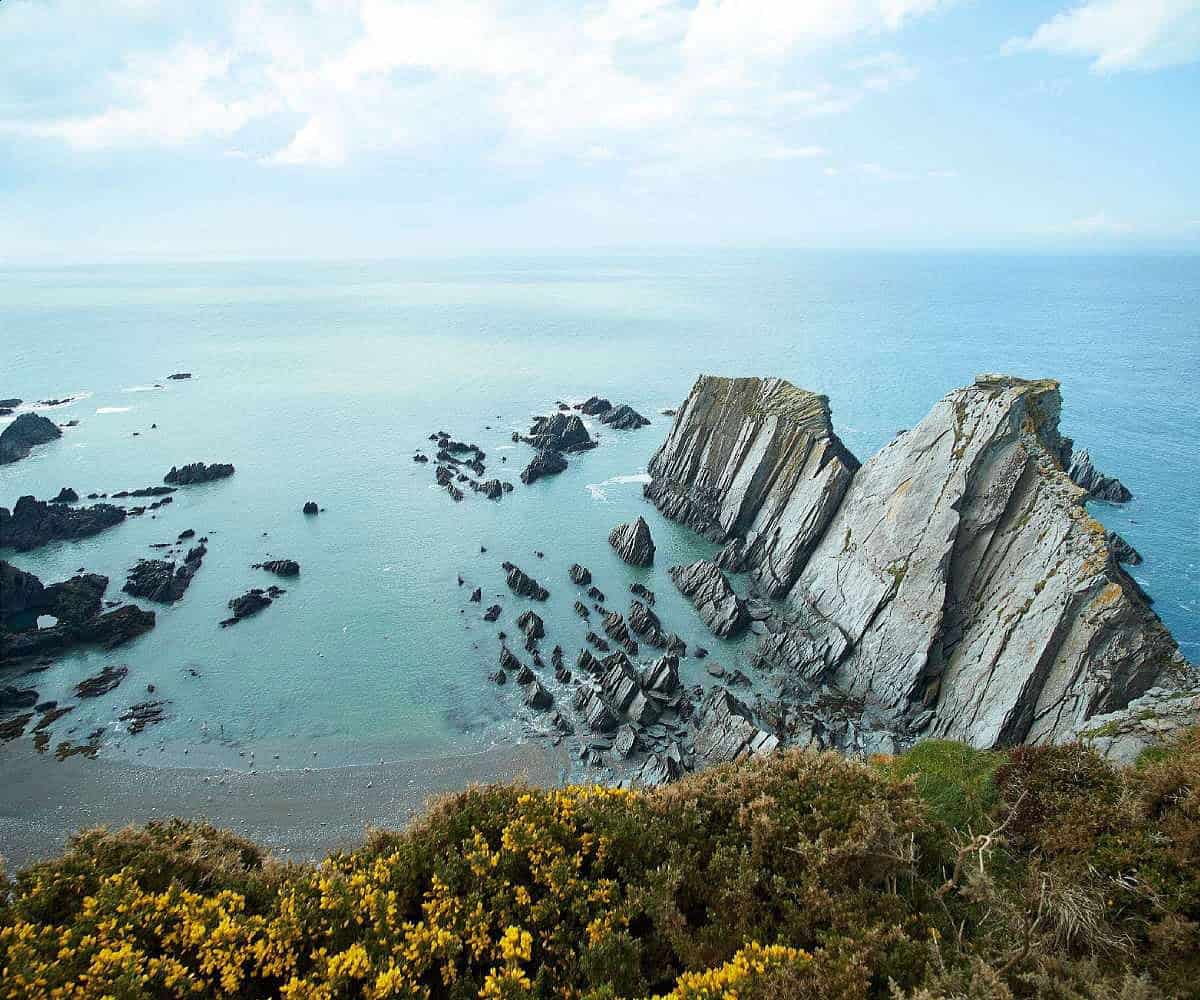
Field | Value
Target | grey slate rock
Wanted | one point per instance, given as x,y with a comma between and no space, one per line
21,436
633,543
706,587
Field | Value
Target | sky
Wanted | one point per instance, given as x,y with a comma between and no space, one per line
377,128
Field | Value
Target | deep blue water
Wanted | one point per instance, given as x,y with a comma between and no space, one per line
319,380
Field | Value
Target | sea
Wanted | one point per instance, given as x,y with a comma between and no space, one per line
319,381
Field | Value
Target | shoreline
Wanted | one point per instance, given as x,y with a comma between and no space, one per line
296,814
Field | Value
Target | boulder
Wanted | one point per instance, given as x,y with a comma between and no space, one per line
544,463
311,508
21,436
33,523
66,495
250,603
633,543
581,576
706,587
198,472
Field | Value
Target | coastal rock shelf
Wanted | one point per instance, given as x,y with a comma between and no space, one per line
955,582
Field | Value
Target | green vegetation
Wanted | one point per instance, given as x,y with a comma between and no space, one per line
946,873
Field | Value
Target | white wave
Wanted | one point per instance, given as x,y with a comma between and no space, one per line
142,388
113,409
597,489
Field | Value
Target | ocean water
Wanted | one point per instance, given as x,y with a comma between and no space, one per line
318,381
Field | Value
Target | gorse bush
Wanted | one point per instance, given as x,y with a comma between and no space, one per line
1037,873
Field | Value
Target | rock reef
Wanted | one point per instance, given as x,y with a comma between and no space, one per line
33,523
955,583
26,432
198,472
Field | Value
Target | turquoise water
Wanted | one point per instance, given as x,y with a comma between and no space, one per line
319,381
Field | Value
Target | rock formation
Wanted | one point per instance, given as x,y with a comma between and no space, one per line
544,463
1122,551
23,434
559,432
280,567
593,406
633,542
755,463
161,580
705,586
522,584
623,418
1085,475
33,523
955,583
1157,717
198,472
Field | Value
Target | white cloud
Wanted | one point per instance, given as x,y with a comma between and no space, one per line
698,84
1122,34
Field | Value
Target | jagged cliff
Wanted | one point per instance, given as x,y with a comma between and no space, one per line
753,462
955,581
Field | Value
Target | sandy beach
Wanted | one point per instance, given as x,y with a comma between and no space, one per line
298,814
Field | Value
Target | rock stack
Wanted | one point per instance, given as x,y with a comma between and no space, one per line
633,542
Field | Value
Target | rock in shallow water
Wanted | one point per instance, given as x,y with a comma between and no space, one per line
1099,486
544,463
705,586
20,437
522,584
633,543
623,418
33,523
197,472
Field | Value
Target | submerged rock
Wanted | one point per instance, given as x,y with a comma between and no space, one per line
102,683
544,463
198,472
633,543
623,418
1101,487
20,437
33,523
706,587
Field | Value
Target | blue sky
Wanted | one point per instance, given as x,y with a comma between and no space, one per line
359,128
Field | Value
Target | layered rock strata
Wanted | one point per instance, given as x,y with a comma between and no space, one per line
955,582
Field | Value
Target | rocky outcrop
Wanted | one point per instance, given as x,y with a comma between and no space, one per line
559,432
1098,486
33,523
20,437
544,463
593,406
198,472
522,584
754,462
250,603
19,592
162,580
109,630
310,508
76,600
727,731
581,576
959,588
66,495
633,543
706,587
623,418
1154,719
280,567
1122,551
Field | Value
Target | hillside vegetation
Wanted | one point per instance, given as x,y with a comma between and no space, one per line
1039,872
